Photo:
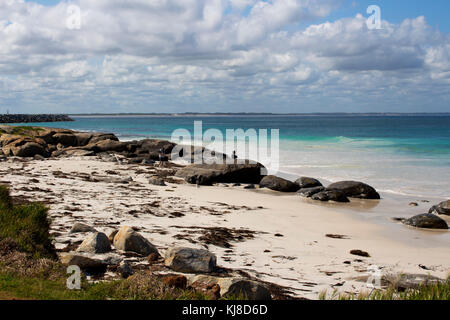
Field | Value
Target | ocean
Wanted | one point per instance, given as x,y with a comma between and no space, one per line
398,155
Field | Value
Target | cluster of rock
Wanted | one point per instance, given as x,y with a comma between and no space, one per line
27,118
253,173
195,267
43,142
431,220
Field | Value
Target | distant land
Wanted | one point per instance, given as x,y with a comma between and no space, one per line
225,114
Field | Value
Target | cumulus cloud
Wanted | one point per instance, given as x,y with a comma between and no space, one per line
215,55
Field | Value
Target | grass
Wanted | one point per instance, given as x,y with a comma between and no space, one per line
27,225
138,287
21,131
437,291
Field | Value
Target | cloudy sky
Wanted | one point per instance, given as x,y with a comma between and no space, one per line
224,56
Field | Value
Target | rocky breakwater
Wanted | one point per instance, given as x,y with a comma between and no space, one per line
48,142
27,118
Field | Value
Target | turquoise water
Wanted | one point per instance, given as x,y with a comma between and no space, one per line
406,155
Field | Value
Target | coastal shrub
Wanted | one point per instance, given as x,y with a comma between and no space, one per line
138,287
27,225
437,291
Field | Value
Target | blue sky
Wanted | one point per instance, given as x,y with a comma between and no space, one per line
224,56
435,11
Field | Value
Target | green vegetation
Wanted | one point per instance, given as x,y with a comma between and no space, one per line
138,287
437,291
26,131
27,225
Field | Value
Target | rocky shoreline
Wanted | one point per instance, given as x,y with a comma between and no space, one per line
28,118
101,227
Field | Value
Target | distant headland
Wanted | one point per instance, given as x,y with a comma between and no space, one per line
26,118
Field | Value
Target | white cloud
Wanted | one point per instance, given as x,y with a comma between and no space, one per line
190,53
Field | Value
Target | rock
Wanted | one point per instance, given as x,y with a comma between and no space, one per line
75,259
157,181
125,270
81,227
427,221
129,240
278,184
38,157
95,243
309,192
190,260
234,287
360,253
250,186
106,146
153,257
441,208
24,147
111,236
413,204
247,289
175,281
305,182
355,189
330,195
207,174
102,136
66,139
82,138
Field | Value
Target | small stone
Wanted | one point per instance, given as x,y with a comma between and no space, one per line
360,253
157,181
125,270
81,227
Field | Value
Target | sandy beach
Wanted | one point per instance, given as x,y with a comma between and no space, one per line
274,237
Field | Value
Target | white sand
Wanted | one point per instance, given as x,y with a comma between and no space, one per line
303,259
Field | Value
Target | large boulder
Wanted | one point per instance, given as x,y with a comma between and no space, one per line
83,138
278,184
330,195
306,182
355,189
309,192
129,240
96,137
106,146
207,174
24,147
441,208
95,243
427,221
80,260
190,260
236,287
66,139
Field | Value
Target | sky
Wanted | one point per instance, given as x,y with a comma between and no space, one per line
281,56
